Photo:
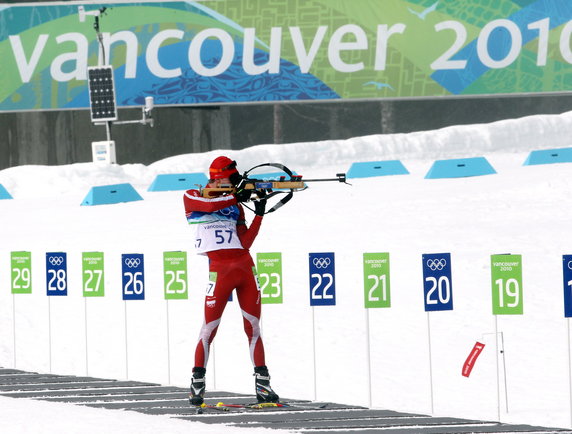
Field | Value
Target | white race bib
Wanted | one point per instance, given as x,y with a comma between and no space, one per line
216,235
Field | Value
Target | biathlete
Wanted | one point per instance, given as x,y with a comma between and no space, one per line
222,235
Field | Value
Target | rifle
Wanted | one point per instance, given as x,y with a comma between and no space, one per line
264,189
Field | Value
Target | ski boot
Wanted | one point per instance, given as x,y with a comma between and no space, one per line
198,386
264,392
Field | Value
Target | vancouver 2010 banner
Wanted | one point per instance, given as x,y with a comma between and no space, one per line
239,51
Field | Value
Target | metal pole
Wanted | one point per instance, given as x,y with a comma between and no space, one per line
86,346
430,362
504,371
497,364
50,333
14,322
126,348
368,357
168,346
569,368
314,353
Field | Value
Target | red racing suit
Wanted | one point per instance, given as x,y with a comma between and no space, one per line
222,234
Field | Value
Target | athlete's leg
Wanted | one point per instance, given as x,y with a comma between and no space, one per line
248,295
219,289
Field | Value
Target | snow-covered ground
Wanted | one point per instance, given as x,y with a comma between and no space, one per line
521,209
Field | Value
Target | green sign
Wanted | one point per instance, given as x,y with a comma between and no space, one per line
269,269
21,265
240,51
93,274
506,273
376,280
175,271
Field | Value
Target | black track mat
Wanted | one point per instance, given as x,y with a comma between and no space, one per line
301,416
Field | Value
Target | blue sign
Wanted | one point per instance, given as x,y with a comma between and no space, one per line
56,273
322,279
133,272
437,283
567,272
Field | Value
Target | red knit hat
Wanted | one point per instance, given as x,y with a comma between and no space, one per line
222,167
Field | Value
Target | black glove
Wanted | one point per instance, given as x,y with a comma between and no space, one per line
242,195
260,207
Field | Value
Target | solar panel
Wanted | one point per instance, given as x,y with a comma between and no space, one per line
101,93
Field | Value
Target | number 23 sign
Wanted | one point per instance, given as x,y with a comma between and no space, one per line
322,279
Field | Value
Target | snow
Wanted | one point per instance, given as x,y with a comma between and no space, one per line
416,357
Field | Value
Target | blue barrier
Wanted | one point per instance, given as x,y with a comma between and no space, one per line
178,181
4,193
549,156
110,194
460,168
376,168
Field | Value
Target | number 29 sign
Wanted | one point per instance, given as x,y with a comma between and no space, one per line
322,279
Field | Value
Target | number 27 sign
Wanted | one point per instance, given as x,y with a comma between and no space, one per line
322,279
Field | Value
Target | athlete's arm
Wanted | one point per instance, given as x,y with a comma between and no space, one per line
193,201
247,234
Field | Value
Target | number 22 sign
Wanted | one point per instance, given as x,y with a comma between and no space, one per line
322,279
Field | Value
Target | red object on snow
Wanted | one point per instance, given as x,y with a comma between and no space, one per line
470,362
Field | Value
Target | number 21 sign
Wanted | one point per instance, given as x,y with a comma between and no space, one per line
322,279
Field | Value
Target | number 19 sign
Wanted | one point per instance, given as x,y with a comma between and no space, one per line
506,274
133,287
437,285
322,279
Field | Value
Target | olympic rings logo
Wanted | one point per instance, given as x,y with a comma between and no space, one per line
321,262
436,264
132,262
56,260
570,265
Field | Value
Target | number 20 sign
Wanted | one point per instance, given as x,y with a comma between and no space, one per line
506,275
437,284
322,279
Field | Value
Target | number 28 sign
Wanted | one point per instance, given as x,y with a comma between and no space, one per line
322,279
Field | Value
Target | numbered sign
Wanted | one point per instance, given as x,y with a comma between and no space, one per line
269,270
93,277
21,266
133,276
567,272
56,274
437,283
322,279
376,280
175,275
506,273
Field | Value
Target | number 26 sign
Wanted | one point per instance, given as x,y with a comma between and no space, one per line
322,279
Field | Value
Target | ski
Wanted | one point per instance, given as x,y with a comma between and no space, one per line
221,406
